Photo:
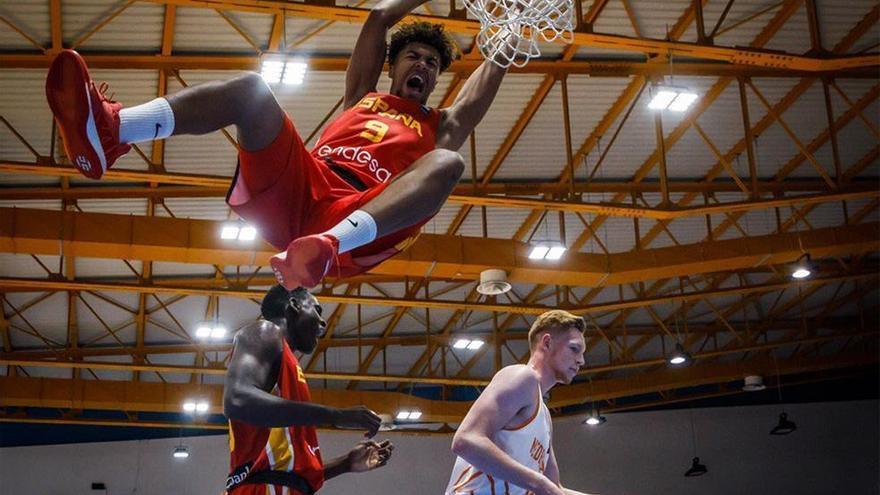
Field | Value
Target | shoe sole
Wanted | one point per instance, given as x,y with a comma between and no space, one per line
67,90
292,274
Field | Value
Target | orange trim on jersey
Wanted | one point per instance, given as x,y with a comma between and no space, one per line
465,482
460,476
535,415
491,484
528,422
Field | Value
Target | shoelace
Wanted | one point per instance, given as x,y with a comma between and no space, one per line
102,90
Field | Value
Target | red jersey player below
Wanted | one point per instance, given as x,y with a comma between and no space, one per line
272,437
381,170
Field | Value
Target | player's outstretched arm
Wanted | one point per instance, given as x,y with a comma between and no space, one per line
470,106
253,370
368,56
511,390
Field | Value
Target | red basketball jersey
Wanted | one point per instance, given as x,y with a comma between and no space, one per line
379,137
294,448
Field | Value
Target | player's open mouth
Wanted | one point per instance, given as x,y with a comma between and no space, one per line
416,82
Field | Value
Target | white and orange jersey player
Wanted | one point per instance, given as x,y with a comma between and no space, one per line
504,443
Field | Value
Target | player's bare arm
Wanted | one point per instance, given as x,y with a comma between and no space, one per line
368,56
470,106
509,397
253,371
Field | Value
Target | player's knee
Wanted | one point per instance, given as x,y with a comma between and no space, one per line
253,99
252,91
448,165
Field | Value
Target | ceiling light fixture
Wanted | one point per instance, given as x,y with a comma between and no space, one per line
180,452
238,231
680,357
803,267
595,418
551,251
192,406
696,468
409,414
210,329
277,69
469,344
673,98
785,425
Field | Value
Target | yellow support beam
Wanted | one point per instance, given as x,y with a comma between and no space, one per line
462,67
43,285
101,235
168,397
316,10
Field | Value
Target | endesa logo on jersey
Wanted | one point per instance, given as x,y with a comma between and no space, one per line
357,156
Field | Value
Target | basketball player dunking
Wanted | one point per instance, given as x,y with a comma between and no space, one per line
381,170
504,444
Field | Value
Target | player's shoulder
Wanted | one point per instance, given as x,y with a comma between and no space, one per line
517,375
261,337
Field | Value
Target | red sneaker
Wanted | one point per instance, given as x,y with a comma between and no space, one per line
305,262
88,120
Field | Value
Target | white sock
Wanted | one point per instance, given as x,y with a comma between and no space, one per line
148,122
356,230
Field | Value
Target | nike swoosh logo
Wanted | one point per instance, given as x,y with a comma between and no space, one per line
352,222
158,126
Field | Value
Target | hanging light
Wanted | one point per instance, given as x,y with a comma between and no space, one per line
595,418
784,427
673,98
680,357
294,72
469,344
180,452
238,231
218,332
696,468
210,329
409,414
272,70
547,251
191,406
278,69
803,267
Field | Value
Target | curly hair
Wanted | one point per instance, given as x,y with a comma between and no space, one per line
277,298
433,35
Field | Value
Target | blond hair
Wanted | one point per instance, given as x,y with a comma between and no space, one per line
554,322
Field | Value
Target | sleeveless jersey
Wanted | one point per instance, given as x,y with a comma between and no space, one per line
528,445
295,448
379,137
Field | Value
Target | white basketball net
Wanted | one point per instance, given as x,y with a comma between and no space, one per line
510,29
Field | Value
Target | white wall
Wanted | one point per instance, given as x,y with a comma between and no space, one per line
834,451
